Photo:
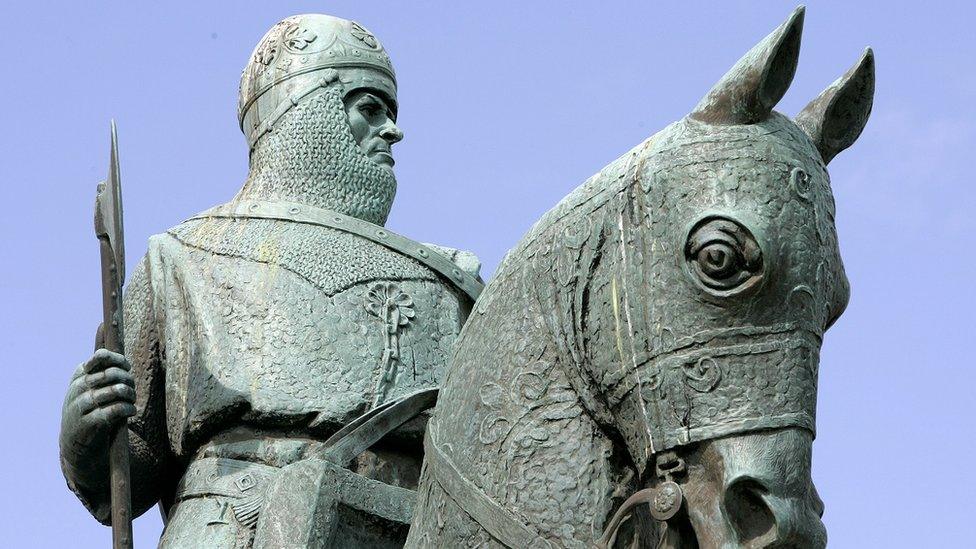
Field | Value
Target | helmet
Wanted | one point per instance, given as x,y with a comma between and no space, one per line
304,53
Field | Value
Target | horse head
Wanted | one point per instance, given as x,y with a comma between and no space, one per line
657,335
727,278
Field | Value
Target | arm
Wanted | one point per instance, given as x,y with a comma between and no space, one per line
101,395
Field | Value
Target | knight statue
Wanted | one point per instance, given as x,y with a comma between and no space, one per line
271,341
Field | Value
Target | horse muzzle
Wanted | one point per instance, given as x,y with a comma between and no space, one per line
752,490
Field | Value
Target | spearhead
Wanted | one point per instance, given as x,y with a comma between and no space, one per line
108,209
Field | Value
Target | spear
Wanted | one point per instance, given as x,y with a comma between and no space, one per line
108,229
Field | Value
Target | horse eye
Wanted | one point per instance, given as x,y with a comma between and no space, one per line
723,257
719,261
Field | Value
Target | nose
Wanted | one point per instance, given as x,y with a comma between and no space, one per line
391,133
766,516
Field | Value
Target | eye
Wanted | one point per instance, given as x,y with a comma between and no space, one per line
369,108
723,257
718,260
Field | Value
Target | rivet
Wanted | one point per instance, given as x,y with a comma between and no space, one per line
255,206
293,210
381,233
422,252
457,274
337,219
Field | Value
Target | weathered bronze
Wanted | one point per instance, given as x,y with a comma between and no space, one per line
109,230
643,366
642,371
257,332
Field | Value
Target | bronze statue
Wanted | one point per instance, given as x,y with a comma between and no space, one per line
650,349
257,330
642,370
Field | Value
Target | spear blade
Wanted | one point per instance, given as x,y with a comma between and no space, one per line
108,208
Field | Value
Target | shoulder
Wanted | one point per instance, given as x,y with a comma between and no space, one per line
465,260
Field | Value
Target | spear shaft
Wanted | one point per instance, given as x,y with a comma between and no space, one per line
108,229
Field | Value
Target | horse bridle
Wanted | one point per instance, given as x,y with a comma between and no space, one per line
665,501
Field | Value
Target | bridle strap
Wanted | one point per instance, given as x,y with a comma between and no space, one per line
491,516
626,509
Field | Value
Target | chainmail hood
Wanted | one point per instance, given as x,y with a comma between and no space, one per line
311,157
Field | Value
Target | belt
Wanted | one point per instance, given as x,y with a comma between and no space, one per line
244,481
224,477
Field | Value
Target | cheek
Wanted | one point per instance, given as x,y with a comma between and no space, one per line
358,125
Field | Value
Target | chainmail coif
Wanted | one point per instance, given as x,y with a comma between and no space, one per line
311,157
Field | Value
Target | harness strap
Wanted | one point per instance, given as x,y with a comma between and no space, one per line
301,213
627,508
491,516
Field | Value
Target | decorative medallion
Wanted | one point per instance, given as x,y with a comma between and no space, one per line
703,375
800,181
667,501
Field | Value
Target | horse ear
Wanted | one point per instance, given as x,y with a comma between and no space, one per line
753,86
835,119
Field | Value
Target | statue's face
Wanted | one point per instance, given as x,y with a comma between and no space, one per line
373,124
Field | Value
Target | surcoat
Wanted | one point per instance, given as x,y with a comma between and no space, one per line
278,324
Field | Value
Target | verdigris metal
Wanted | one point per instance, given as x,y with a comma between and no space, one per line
110,234
258,332
642,371
650,348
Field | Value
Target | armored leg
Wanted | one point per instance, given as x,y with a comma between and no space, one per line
206,521
315,503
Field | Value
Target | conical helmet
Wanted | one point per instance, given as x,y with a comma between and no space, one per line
303,53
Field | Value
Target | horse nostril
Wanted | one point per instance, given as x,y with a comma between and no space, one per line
763,518
747,511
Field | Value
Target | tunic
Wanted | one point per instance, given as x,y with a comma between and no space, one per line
273,324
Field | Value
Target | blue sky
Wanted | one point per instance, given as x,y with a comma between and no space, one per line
507,106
